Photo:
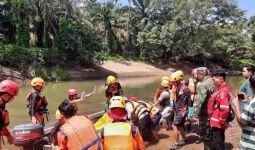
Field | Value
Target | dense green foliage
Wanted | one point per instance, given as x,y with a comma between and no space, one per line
36,35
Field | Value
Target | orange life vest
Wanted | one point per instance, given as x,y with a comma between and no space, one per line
40,107
80,133
139,109
192,88
39,103
118,136
113,88
152,110
5,117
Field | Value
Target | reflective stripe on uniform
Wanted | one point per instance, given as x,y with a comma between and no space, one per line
224,106
214,119
96,141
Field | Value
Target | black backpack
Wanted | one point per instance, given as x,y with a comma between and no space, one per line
231,113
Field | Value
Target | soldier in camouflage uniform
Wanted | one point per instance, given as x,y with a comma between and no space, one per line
204,90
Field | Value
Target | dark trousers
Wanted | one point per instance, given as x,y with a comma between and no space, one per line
155,120
144,126
218,138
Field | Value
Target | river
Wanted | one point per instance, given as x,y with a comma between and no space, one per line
142,87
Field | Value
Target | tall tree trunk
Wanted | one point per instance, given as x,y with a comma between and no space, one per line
45,22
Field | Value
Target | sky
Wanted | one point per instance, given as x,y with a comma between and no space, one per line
247,5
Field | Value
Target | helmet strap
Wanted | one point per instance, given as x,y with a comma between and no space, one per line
11,97
6,101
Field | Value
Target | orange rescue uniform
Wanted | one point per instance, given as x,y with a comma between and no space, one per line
121,136
76,133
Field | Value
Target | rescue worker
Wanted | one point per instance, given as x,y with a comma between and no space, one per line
140,116
155,114
192,85
112,88
203,93
8,90
73,98
77,132
218,109
160,89
165,105
37,104
120,134
72,94
181,100
163,100
55,129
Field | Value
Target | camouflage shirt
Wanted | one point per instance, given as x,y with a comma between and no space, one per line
204,90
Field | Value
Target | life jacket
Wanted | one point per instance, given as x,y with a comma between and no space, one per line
4,116
119,136
5,119
40,104
192,88
81,134
113,89
153,110
181,102
139,109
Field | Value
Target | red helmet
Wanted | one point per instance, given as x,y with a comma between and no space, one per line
72,92
133,99
9,87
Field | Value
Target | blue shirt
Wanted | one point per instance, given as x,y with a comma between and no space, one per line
248,91
246,88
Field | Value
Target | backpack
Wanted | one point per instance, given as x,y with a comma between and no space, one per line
231,113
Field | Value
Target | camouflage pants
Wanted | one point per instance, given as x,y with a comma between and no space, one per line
204,131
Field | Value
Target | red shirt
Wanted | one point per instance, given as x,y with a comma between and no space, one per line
218,106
